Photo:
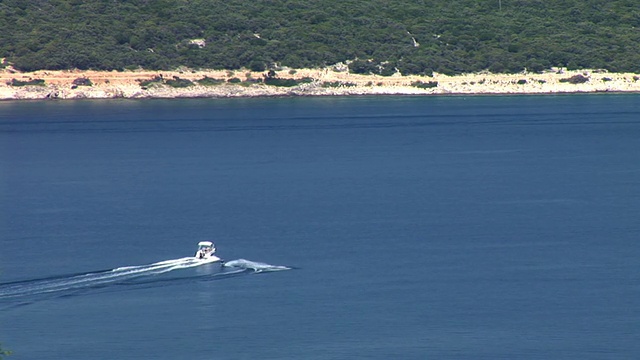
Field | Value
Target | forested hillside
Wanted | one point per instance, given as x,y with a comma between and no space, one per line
414,36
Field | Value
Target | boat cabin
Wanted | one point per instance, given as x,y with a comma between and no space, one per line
205,249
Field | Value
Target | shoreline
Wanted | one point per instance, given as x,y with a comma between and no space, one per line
185,83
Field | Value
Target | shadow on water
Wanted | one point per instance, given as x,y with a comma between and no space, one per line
163,273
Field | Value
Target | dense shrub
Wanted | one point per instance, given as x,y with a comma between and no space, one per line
207,81
82,82
150,82
575,79
37,82
425,85
274,81
337,84
177,82
378,36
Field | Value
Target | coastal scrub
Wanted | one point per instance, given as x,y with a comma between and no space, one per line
575,79
36,82
425,85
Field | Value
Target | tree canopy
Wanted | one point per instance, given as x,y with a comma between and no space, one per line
378,36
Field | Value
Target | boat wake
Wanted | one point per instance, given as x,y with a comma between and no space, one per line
257,267
174,270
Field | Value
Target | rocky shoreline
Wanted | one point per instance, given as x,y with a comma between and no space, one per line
186,83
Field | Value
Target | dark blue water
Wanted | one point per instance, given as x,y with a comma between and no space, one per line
413,227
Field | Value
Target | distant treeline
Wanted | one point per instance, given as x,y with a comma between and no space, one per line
382,36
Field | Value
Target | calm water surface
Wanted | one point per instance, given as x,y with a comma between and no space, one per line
354,228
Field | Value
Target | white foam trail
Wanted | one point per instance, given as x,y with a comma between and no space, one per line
157,264
43,286
122,274
255,266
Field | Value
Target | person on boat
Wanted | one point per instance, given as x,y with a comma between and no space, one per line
205,249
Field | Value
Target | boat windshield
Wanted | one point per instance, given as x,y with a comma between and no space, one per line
206,247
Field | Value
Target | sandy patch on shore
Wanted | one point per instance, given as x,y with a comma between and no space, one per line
126,84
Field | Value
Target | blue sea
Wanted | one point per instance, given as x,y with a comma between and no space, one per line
452,227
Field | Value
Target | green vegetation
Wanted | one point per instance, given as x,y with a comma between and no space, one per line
151,82
37,82
207,81
336,84
425,85
82,82
177,82
378,36
575,79
280,82
272,79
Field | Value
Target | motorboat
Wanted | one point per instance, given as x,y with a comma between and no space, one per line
206,250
